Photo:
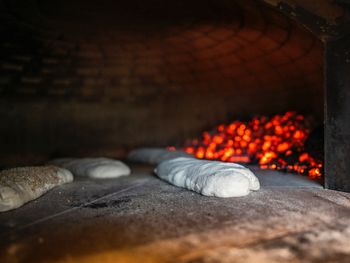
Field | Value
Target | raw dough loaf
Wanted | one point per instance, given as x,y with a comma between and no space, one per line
93,167
211,178
154,155
21,185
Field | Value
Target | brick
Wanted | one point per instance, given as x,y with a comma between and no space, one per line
143,90
249,34
316,52
63,45
31,80
59,51
176,40
150,61
151,52
223,48
290,72
258,66
89,71
270,79
242,42
160,79
89,91
115,71
315,77
292,51
308,64
187,77
205,28
50,61
23,58
89,62
135,47
276,33
301,38
26,90
295,48
11,66
177,68
203,42
203,65
227,61
221,33
129,81
47,71
210,75
277,58
88,54
119,63
56,71
192,33
267,44
100,39
87,47
175,49
95,82
58,91
111,50
248,81
276,18
233,71
250,52
53,61
293,82
228,46
146,70
204,54
178,58
63,81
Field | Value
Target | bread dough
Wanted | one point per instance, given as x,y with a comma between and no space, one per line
210,178
21,185
154,155
93,167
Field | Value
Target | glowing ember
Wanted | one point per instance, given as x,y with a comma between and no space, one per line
273,143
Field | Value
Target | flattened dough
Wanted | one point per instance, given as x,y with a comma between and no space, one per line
21,185
210,178
154,155
93,167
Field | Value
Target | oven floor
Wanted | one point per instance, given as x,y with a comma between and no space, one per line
143,219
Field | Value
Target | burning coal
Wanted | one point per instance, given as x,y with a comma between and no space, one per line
272,142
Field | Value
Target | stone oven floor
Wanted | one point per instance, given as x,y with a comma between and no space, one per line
143,219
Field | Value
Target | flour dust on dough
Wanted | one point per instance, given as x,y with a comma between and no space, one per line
93,167
21,185
210,178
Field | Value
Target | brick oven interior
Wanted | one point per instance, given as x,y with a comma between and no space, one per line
101,78
78,79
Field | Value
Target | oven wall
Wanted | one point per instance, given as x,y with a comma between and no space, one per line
86,79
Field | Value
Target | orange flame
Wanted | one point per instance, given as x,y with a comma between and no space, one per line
271,142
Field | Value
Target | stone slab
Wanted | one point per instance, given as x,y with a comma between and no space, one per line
143,219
